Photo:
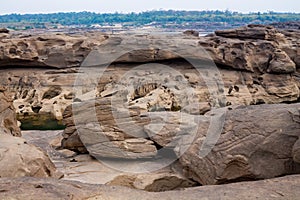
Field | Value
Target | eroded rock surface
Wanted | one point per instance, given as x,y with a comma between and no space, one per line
33,188
48,50
259,62
256,142
8,121
17,159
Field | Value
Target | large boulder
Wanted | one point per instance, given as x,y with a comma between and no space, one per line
17,159
256,142
106,139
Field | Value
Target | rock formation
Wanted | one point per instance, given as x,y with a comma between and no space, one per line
17,158
32,188
142,102
21,159
257,142
48,50
260,61
8,122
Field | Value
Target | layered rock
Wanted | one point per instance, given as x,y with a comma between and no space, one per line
242,143
119,94
259,60
256,142
106,139
55,50
32,188
254,69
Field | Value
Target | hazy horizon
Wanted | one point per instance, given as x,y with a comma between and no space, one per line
126,6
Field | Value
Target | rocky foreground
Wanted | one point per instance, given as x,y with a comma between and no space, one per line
155,112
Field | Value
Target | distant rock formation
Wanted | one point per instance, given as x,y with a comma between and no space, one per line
261,61
191,32
4,30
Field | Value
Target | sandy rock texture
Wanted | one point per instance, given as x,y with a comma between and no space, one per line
256,142
134,99
257,64
21,159
33,188
8,122
17,158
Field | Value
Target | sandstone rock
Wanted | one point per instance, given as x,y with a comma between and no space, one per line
8,121
4,30
191,32
173,95
243,56
21,159
256,142
296,151
52,50
115,137
33,188
252,31
157,182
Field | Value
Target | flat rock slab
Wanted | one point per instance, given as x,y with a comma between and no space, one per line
32,188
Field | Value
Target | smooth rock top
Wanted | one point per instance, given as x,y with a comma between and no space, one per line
17,159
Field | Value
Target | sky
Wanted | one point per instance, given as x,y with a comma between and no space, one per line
125,6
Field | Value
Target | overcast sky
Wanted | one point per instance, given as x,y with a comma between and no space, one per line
100,6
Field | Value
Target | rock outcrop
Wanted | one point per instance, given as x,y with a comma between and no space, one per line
260,61
8,121
47,50
119,86
256,142
17,158
33,188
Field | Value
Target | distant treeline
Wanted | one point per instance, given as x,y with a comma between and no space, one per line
160,16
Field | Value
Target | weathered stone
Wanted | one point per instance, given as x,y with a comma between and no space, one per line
191,32
4,30
156,182
52,50
243,56
17,158
296,151
32,188
8,121
256,142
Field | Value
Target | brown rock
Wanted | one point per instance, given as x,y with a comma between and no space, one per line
243,56
191,32
32,188
256,142
8,121
157,182
52,50
4,30
21,159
